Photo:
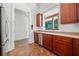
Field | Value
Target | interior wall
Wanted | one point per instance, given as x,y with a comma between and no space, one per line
70,27
20,25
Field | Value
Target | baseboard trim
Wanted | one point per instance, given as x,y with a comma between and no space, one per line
21,39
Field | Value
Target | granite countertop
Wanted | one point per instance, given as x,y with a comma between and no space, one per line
66,34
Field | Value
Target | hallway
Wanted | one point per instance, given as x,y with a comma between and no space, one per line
24,49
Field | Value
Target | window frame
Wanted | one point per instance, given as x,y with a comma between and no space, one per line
52,16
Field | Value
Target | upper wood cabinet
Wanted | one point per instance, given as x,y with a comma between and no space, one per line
68,13
77,12
39,18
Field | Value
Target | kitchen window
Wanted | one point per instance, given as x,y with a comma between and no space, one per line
51,22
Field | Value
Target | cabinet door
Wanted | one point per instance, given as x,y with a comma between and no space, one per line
76,50
36,39
76,47
78,12
38,20
47,41
62,45
62,49
68,13
63,40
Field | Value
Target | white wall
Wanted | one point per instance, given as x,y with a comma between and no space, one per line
62,27
10,13
70,27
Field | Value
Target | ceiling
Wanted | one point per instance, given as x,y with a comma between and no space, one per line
43,7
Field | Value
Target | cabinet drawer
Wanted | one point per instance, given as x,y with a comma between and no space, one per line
63,40
47,36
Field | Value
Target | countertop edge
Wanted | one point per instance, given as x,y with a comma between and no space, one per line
60,34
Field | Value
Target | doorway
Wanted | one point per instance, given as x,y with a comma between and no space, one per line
21,25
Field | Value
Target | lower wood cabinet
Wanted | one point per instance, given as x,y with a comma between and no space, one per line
47,41
62,49
75,47
62,45
36,39
58,44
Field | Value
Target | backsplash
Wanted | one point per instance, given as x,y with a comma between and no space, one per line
69,27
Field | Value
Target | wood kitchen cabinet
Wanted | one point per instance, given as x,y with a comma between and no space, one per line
39,18
77,12
75,47
59,44
36,39
68,13
62,45
47,41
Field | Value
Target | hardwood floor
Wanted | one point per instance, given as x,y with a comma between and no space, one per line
25,49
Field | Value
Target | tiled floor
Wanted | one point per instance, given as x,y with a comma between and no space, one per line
25,49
